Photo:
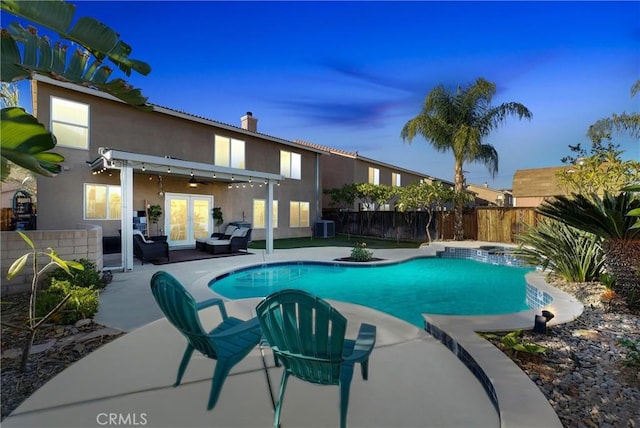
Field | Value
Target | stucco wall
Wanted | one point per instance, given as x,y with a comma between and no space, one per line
122,127
84,242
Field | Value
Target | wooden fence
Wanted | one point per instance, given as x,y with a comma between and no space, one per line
491,224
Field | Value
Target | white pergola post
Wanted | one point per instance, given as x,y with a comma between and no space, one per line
126,222
268,218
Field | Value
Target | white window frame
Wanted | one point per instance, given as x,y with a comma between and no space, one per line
234,147
109,188
374,175
274,214
71,125
298,204
291,165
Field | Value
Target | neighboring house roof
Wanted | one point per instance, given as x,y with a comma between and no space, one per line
537,182
355,155
176,113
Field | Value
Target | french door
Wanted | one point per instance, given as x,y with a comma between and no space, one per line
188,218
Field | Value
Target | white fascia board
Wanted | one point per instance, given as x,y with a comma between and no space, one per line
182,167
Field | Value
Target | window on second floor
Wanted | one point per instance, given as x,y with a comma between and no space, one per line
374,175
102,202
70,123
259,214
229,152
298,214
396,179
291,164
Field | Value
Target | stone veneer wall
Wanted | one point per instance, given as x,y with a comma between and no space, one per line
85,242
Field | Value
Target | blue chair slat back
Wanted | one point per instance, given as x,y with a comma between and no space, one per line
306,333
180,309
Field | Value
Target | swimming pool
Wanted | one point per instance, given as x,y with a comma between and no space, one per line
404,290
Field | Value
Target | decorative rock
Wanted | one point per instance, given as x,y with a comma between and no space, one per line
107,331
42,347
12,353
83,322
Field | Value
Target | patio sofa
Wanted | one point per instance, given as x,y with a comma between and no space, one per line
225,243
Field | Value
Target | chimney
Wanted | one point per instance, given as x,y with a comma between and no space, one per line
249,122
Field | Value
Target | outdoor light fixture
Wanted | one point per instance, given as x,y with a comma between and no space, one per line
143,167
191,174
214,175
233,178
192,182
169,170
229,186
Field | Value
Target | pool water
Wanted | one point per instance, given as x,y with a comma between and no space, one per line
404,290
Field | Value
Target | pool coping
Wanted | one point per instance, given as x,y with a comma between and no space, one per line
516,398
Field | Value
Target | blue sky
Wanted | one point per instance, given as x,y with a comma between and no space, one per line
351,74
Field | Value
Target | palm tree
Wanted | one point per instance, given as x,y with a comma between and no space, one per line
458,122
608,218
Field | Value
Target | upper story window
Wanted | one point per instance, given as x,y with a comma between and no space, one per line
229,152
291,164
396,179
102,202
70,123
374,175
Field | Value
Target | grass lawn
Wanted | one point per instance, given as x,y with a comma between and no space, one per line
338,241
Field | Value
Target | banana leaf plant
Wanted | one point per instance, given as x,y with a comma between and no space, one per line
40,56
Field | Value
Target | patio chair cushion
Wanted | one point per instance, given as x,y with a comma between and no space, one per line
240,232
230,229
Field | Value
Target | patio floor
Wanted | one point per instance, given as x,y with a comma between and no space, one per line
414,380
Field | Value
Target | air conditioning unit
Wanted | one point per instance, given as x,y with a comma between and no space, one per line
325,229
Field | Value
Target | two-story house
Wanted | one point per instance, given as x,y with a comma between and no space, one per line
120,160
342,167
486,196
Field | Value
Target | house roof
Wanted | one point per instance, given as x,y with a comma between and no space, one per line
355,155
177,113
537,182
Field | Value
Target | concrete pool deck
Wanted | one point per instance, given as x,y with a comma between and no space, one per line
414,379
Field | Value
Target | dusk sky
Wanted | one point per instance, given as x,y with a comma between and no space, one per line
350,74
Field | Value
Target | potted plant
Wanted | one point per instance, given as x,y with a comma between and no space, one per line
217,217
154,212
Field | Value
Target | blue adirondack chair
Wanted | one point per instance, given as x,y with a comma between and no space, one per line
228,343
307,335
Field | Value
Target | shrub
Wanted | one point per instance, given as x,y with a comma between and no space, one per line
360,253
574,255
633,351
83,302
513,341
90,277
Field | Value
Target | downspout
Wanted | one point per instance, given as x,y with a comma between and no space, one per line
318,186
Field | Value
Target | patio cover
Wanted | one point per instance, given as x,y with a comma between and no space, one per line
127,162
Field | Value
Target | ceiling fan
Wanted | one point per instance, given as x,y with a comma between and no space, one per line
193,182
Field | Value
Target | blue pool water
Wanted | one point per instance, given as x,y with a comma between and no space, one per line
404,290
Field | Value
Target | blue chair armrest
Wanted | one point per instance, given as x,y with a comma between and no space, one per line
215,301
250,325
364,344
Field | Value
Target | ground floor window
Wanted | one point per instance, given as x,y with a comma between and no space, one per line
102,202
259,214
298,214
